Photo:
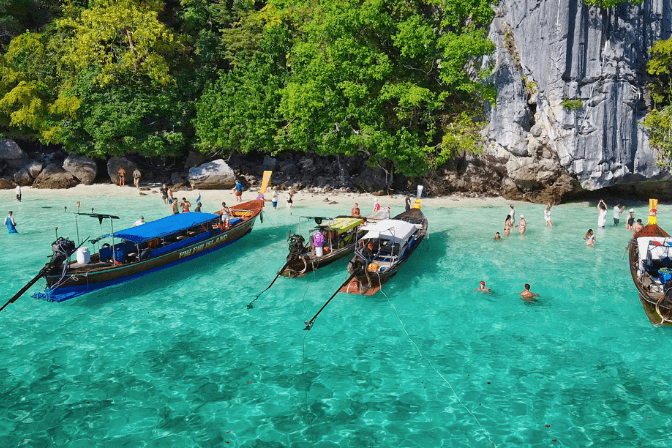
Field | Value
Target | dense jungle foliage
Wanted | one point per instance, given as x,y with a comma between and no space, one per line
401,82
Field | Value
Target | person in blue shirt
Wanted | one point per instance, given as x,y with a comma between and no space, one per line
10,223
238,189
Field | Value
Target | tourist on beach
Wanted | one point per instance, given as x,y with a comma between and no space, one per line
497,236
139,222
18,193
547,215
482,288
507,225
10,223
512,213
527,294
136,178
186,205
601,215
274,199
637,227
164,194
355,211
121,175
590,238
290,200
173,206
617,213
224,212
376,205
522,225
238,190
198,207
630,223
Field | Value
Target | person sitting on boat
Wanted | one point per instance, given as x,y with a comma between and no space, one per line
497,236
355,211
225,213
482,288
527,294
10,223
590,238
186,205
139,222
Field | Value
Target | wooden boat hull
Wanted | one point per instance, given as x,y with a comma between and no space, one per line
653,301
80,281
370,283
306,264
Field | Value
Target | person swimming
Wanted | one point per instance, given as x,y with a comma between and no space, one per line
528,295
482,288
497,236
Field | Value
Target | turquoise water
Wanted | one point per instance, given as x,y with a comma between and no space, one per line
176,358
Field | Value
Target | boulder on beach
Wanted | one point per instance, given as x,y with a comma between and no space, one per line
6,182
34,168
212,175
81,167
23,178
54,177
12,154
115,163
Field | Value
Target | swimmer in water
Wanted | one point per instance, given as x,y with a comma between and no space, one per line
590,238
528,295
497,236
482,288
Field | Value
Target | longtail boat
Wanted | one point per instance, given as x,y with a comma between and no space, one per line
140,251
383,249
650,258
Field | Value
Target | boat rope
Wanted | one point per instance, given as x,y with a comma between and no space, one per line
662,318
18,314
403,327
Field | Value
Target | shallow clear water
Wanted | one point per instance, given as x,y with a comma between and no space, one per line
176,358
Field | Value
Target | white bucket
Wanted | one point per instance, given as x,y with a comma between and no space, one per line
319,251
83,255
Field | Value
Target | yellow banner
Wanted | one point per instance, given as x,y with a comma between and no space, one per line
653,211
265,182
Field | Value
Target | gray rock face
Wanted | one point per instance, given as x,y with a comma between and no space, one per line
34,168
549,51
212,175
54,177
82,168
23,178
113,166
12,154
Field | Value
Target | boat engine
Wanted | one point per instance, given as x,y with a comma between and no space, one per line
62,248
296,247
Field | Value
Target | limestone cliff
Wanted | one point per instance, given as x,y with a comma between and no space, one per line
552,51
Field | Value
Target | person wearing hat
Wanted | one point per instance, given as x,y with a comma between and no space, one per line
631,219
482,288
522,225
139,222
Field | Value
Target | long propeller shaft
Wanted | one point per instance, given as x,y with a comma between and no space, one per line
309,324
249,305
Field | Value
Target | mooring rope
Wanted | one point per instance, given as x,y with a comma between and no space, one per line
18,314
403,327
662,318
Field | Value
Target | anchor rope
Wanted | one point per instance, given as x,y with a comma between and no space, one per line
18,314
403,327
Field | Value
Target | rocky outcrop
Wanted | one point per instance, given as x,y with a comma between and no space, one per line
212,175
6,182
34,168
54,177
12,154
23,178
571,94
115,163
82,168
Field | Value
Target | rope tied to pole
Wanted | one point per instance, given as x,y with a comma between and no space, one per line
250,305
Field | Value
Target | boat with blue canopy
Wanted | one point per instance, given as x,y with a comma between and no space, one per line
137,251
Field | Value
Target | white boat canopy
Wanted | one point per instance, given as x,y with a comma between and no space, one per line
390,229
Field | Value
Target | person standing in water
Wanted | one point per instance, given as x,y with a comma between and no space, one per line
590,238
522,225
376,205
482,288
198,207
617,213
512,214
274,199
164,194
355,211
637,227
497,236
507,225
290,198
602,210
629,224
18,193
186,205
528,295
10,223
547,216
174,207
